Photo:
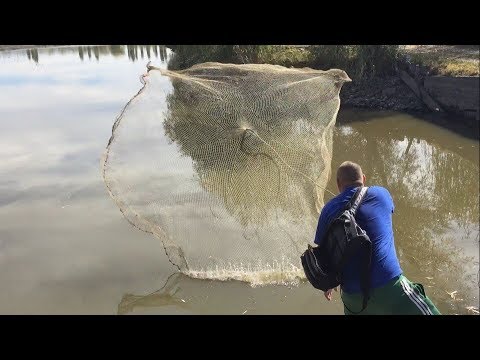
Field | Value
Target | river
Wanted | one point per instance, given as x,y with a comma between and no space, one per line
65,248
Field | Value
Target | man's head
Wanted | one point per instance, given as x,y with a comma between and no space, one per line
349,174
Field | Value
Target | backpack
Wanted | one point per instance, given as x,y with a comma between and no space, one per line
323,265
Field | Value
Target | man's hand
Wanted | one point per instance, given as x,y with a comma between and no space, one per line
328,293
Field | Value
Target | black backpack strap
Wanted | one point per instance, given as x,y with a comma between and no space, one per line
365,277
357,199
353,205
353,199
352,202
366,248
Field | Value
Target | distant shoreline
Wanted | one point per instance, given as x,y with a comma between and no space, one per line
26,47
21,47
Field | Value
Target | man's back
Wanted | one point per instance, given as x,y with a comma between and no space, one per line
374,216
394,293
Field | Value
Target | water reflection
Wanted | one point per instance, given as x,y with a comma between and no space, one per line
134,52
32,54
435,190
64,246
165,296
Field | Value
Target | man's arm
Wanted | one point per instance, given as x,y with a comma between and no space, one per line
322,225
389,200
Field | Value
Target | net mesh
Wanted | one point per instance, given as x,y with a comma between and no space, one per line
227,165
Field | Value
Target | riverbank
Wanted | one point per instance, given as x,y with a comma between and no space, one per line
437,82
392,94
387,93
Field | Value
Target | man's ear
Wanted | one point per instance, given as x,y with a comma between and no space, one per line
364,179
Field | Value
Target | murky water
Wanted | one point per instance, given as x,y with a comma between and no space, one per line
65,247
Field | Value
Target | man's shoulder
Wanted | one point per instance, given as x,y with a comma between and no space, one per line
333,204
379,194
378,190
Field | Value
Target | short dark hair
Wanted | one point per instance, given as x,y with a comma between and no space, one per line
349,173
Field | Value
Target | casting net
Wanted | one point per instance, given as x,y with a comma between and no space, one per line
227,165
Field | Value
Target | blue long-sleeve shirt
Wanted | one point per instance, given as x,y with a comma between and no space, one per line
374,215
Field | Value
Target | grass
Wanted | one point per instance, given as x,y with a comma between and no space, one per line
459,68
447,67
453,60
288,56
285,56
359,61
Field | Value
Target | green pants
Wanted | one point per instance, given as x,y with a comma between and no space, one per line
398,297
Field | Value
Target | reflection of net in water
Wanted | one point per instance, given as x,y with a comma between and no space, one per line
165,296
228,168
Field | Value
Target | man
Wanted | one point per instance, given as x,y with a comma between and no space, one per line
391,292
